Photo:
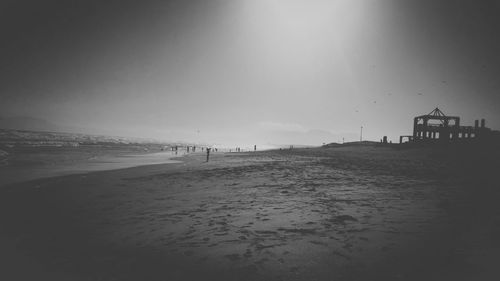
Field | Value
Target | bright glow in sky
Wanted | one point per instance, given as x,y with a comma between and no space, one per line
249,71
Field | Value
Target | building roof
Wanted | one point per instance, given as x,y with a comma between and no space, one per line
437,114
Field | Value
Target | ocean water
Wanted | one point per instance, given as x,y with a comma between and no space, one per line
31,164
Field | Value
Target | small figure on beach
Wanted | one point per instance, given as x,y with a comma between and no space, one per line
187,148
254,147
208,153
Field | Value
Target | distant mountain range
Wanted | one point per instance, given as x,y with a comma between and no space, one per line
29,129
28,124
11,137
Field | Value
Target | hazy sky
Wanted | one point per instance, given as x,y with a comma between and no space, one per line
249,71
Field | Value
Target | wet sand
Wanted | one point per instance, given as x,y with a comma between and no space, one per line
340,213
43,162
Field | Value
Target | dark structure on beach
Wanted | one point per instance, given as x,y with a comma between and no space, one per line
437,127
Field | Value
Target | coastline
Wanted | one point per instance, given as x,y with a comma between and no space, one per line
21,172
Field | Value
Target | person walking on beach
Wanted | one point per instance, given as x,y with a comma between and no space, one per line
208,153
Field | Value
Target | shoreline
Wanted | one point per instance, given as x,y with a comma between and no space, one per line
17,174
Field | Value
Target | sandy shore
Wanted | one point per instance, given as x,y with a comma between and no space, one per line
344,213
30,163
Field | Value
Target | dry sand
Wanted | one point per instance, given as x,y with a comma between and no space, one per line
342,213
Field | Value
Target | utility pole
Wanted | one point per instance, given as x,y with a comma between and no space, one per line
361,135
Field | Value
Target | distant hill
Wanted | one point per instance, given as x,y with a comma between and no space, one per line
354,143
27,124
10,138
23,128
16,137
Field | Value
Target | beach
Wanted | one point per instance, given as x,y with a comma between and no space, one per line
34,161
366,212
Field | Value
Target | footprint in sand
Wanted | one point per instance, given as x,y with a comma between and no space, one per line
248,253
318,243
261,262
266,232
342,219
233,257
202,259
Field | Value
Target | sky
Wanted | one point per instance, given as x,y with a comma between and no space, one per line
241,72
